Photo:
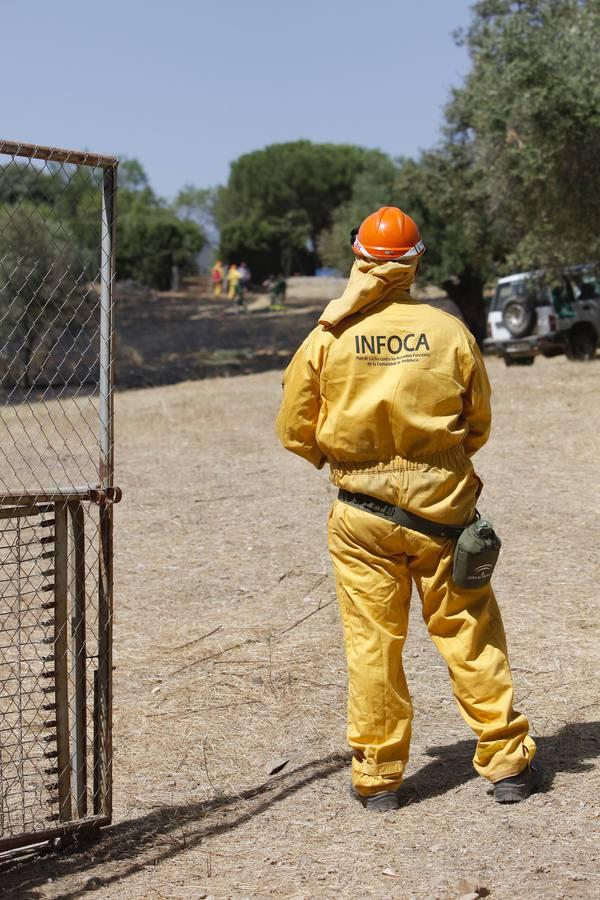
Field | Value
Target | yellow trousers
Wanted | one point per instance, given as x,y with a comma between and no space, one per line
375,564
217,288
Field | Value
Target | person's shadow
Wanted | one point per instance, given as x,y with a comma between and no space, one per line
170,830
566,751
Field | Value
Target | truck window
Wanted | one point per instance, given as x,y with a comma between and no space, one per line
585,285
560,291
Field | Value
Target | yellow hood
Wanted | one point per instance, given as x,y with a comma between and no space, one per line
369,282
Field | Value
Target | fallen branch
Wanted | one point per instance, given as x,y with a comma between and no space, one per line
197,640
210,656
304,618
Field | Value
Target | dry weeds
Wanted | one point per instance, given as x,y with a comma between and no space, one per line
229,667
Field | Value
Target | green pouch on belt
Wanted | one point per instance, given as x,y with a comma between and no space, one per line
476,554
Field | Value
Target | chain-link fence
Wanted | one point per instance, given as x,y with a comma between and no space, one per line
56,490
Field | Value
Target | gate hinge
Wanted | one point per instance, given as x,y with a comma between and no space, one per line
103,496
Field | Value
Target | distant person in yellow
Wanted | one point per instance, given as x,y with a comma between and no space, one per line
234,277
394,396
217,276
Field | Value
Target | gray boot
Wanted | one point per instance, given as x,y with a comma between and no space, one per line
382,801
518,787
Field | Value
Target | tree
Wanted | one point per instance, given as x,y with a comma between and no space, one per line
133,179
196,205
376,186
152,241
529,114
513,184
27,181
44,288
278,201
152,237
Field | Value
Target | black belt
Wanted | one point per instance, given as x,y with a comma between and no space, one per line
400,516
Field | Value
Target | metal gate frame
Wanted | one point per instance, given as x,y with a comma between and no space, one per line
66,508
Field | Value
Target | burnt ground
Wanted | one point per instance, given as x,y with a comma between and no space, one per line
165,338
231,770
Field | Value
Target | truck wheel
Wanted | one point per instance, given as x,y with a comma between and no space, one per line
518,318
581,343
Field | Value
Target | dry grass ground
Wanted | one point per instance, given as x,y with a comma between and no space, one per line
229,663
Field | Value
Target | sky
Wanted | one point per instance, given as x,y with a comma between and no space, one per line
187,87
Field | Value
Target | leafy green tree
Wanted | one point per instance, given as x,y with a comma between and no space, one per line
196,204
78,201
72,193
133,179
44,288
153,240
513,184
152,237
279,200
27,182
374,187
529,113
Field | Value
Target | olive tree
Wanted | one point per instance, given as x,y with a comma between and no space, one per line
529,114
44,282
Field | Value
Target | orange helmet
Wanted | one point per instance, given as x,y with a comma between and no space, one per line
388,234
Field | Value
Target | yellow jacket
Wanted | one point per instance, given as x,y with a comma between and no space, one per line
233,276
393,393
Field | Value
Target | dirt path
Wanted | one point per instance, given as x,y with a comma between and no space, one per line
226,667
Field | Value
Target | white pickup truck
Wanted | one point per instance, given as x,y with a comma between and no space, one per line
536,312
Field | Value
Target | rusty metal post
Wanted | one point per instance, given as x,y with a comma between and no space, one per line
103,763
57,154
78,658
61,588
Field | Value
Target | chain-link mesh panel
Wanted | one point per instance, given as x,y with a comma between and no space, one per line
27,701
53,356
52,652
56,252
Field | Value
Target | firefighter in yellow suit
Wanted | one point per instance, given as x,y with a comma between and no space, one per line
234,277
217,276
394,396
